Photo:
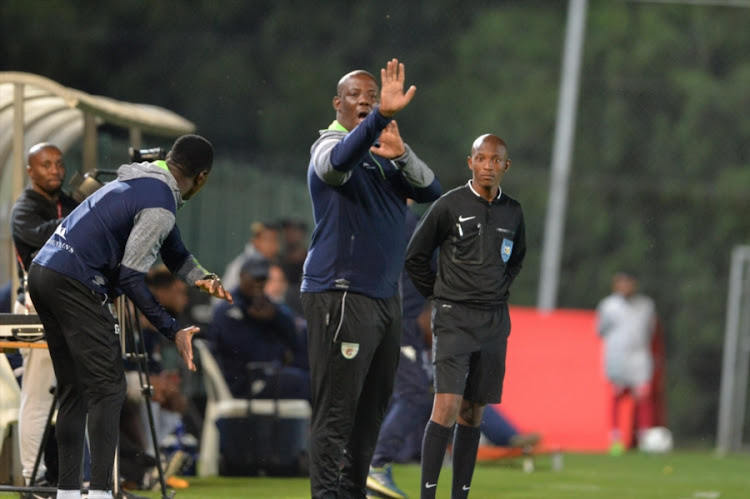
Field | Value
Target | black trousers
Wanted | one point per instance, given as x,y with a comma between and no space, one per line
354,344
84,343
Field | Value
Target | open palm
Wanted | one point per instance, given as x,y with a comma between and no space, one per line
392,96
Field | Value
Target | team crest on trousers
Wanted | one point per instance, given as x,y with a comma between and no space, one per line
349,350
506,249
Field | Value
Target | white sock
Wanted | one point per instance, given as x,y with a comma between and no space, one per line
99,494
68,494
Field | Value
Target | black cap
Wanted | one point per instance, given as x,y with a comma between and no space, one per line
255,266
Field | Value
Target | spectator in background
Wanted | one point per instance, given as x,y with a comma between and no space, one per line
256,330
277,290
36,214
626,321
264,241
294,252
277,285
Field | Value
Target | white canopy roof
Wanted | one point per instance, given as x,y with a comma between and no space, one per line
36,109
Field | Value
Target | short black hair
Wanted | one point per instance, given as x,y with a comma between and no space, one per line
356,72
192,154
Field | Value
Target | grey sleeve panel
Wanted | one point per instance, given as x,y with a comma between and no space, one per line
416,171
151,228
191,271
321,159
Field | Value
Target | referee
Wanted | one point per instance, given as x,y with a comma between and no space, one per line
481,235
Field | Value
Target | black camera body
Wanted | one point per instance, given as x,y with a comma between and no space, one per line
140,155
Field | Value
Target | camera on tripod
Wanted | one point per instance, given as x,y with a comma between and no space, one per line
82,186
140,155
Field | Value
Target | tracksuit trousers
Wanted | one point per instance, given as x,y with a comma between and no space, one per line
84,342
354,345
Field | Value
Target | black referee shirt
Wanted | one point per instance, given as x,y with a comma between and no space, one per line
482,247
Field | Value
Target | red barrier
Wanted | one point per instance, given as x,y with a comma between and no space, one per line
555,382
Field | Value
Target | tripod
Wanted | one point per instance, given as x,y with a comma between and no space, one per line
134,349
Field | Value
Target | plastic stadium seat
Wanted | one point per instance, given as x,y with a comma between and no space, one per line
219,404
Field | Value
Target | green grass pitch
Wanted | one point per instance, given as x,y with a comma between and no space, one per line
679,475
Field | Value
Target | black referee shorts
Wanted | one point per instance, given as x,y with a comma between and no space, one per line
469,350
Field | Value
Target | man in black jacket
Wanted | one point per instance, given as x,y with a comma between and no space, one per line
481,235
36,214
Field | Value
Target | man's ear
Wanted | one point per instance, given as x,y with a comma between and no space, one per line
336,102
507,165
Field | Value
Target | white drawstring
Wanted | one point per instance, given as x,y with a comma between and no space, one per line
341,321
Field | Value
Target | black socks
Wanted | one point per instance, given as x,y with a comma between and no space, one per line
465,445
436,438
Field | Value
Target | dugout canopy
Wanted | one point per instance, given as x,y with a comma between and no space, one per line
36,109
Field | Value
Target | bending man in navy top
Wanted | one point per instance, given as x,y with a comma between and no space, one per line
360,174
102,249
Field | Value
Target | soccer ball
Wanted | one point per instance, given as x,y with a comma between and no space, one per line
657,440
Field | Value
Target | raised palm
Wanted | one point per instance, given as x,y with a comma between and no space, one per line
392,96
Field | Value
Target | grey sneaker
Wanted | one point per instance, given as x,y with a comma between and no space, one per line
525,440
380,480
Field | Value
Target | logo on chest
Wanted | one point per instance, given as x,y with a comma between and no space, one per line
506,249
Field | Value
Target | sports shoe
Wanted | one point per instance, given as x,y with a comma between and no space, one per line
380,480
524,440
172,466
176,482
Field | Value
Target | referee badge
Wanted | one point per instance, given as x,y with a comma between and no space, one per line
506,249
349,350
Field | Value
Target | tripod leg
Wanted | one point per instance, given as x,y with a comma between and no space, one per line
133,346
155,440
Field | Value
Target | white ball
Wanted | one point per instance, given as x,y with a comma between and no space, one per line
657,440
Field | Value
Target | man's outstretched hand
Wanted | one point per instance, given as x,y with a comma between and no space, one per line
184,342
214,287
392,96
